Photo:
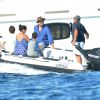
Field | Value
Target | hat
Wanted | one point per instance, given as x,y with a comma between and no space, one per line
40,19
77,17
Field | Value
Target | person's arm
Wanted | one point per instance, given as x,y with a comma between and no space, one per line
27,38
35,28
86,33
75,37
50,38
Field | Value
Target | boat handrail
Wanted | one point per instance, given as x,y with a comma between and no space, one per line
62,49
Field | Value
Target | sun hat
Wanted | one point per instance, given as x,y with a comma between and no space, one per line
40,19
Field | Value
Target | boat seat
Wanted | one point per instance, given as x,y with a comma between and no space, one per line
57,54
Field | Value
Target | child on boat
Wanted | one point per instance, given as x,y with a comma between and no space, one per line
30,51
10,40
21,41
7,41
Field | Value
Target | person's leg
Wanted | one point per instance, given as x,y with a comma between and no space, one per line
77,53
2,46
42,46
79,59
38,49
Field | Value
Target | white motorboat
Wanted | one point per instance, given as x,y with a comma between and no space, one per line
52,62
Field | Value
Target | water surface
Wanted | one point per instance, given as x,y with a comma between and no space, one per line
40,85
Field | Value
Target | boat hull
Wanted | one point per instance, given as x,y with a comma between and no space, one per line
52,65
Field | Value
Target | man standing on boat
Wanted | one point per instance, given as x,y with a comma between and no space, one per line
44,36
78,31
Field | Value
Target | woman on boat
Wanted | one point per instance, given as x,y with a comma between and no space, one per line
44,36
21,41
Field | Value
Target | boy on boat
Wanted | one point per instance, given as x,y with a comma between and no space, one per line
78,31
44,36
31,44
7,41
10,40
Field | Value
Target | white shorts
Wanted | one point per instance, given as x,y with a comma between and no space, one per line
76,52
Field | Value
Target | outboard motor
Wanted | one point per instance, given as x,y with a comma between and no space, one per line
93,56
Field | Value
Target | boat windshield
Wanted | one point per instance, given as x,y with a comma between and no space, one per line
59,30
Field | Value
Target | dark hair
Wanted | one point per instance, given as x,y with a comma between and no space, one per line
22,27
34,35
12,29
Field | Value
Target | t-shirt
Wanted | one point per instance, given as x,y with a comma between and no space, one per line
30,50
10,42
81,30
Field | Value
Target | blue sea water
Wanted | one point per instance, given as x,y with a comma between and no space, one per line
49,86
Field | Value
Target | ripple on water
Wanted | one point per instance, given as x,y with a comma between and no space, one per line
50,86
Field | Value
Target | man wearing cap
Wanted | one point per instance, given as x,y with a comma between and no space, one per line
44,36
78,31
